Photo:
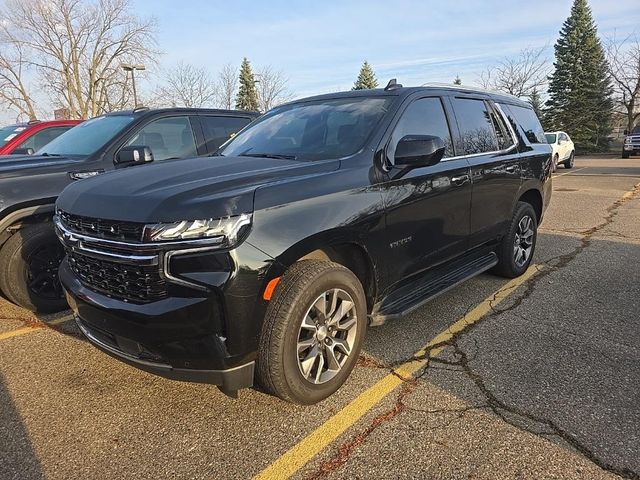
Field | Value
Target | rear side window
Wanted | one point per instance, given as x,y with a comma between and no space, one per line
477,132
424,116
167,138
528,123
218,130
43,137
505,140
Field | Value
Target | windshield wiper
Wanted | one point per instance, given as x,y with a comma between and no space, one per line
45,154
269,155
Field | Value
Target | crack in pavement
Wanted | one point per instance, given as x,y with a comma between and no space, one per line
498,407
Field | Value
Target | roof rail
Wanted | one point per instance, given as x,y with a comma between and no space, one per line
464,87
33,122
140,109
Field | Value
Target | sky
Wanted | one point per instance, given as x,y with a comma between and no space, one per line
320,46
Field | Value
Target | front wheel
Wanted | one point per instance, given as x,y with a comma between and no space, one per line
625,154
312,333
29,263
516,249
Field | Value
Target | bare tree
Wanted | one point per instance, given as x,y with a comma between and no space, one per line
187,86
624,67
76,48
227,86
272,88
520,75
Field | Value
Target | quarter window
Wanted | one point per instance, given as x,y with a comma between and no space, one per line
477,132
167,138
528,123
424,116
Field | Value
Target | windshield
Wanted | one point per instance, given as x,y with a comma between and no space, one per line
9,133
312,130
635,131
551,137
88,137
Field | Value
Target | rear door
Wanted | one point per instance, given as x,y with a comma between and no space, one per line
217,129
490,147
427,207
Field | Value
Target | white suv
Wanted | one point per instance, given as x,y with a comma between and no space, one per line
562,148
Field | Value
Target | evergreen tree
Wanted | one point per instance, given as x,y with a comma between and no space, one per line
536,102
366,78
247,97
457,80
580,88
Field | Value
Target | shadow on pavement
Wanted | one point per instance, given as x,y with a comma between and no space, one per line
18,459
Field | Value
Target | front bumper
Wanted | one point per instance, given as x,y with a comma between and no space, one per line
229,380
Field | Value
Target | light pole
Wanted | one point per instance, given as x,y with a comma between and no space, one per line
128,67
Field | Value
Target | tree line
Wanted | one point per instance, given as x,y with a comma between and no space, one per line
69,54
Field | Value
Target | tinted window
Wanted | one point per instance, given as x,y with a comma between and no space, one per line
528,123
9,133
477,134
88,137
551,137
41,138
502,131
424,116
218,130
167,138
321,129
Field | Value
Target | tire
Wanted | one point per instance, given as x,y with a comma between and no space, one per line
568,163
280,366
554,167
625,154
29,263
507,265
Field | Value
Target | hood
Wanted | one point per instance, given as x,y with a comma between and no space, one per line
11,165
206,187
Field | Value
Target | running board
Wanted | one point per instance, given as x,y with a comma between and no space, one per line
437,281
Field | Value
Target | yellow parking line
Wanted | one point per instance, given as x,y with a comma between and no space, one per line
24,330
19,331
296,457
60,320
567,173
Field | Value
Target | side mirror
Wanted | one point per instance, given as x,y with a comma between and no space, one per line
23,151
133,155
419,151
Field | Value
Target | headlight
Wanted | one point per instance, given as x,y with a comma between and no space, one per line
226,230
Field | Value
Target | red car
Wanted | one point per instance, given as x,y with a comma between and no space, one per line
26,138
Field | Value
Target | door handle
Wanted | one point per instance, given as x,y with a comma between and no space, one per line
459,180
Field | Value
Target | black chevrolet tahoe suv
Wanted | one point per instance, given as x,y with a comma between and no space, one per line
29,250
268,261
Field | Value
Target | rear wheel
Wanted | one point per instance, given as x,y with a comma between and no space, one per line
568,163
29,263
555,163
312,333
518,245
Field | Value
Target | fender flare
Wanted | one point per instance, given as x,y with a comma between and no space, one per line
26,212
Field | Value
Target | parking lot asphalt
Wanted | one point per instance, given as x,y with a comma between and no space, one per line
538,378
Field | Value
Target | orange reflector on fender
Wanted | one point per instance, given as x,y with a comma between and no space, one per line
271,286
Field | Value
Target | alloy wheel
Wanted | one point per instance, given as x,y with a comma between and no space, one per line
523,242
326,336
42,273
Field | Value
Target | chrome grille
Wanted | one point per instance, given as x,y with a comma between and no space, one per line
101,228
137,283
